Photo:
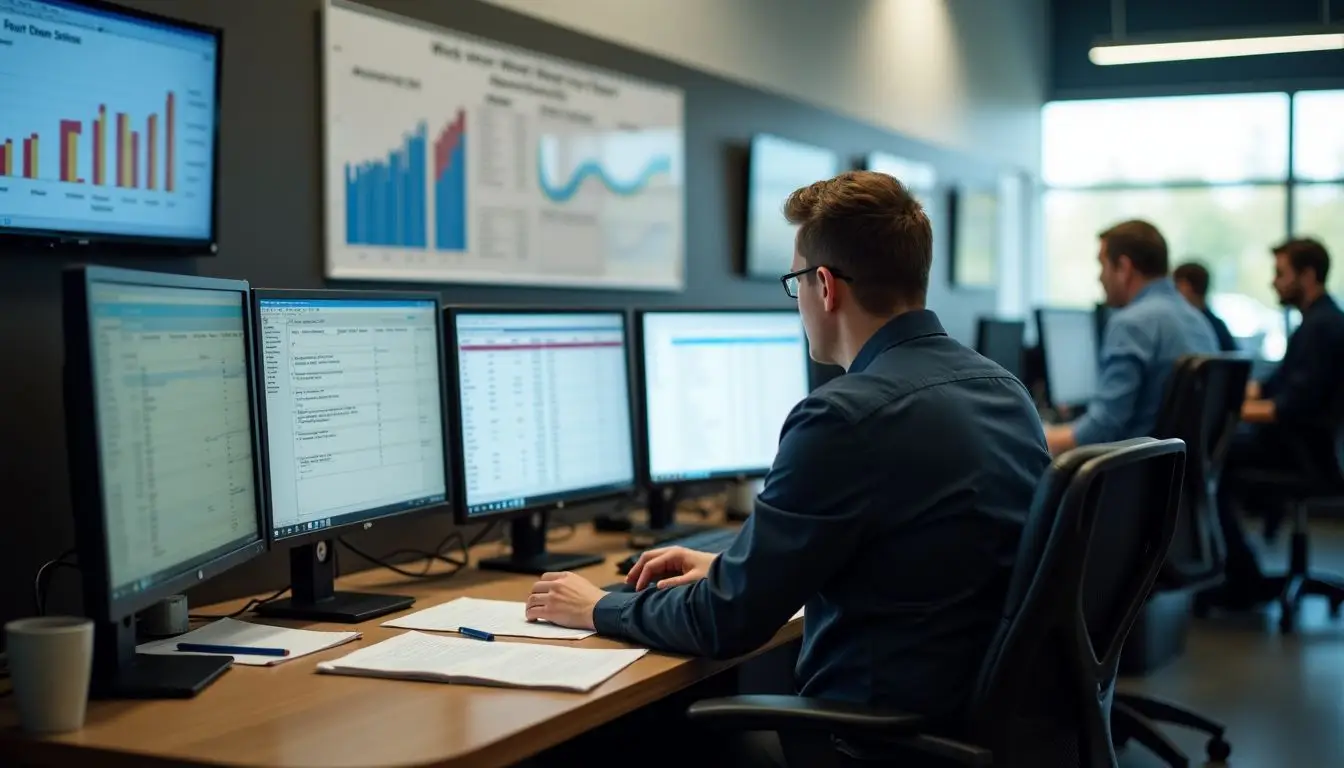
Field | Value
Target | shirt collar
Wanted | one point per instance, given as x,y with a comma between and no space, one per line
1155,287
909,326
1324,301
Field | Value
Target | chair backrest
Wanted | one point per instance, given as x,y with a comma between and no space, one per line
1095,537
1202,407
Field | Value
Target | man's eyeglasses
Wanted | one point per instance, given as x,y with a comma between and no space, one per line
790,280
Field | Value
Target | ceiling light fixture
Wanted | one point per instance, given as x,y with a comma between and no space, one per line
1122,50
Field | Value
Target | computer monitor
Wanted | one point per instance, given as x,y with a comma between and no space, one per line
542,420
716,387
162,438
1002,341
1068,340
353,430
88,166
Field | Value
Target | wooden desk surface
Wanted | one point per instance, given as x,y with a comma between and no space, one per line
289,715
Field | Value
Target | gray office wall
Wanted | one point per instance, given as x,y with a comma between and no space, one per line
270,235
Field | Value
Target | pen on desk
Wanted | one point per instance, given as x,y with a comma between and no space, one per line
479,634
233,650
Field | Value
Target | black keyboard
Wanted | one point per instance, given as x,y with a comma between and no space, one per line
714,541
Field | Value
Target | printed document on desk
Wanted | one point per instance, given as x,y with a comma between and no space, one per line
299,642
432,658
498,617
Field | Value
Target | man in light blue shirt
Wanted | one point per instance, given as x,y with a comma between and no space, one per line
1152,327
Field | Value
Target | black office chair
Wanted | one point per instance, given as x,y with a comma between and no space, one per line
1316,481
1201,407
1043,696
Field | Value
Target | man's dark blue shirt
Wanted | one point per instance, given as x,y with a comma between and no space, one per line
893,511
1307,382
1226,341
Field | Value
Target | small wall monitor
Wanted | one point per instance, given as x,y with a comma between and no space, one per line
109,130
1068,340
776,168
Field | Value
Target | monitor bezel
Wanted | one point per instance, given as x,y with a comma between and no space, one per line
1084,315
644,450
982,324
85,243
579,496
86,480
321,534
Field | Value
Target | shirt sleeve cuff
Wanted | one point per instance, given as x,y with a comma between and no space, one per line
609,613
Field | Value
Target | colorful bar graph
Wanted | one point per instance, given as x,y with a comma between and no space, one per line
385,199
70,133
151,151
170,143
135,158
99,145
450,186
7,158
123,150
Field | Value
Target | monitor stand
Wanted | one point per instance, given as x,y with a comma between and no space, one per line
663,526
527,544
312,584
121,673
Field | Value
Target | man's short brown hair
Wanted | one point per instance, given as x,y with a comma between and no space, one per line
1305,253
1141,242
869,228
1196,274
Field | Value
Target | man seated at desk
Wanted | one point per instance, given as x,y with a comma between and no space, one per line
895,502
1291,410
1153,326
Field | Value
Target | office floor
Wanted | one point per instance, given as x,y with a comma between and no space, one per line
1281,698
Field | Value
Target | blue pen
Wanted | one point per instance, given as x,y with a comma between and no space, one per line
232,650
479,634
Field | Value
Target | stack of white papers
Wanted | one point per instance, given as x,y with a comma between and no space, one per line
242,634
498,617
797,615
417,656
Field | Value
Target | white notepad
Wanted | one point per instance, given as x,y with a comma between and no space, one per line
797,615
498,617
299,642
418,656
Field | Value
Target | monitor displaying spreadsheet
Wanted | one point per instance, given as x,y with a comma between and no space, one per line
353,393
175,428
717,388
544,401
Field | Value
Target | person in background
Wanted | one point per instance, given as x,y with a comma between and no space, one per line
895,502
1192,280
1151,328
1290,412
1303,390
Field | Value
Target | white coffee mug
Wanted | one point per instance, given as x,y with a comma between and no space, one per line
50,661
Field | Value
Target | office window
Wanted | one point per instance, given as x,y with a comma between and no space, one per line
1222,138
1229,229
1318,211
1318,136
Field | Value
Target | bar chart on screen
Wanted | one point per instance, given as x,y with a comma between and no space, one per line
107,128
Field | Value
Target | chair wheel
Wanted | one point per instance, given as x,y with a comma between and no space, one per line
1218,750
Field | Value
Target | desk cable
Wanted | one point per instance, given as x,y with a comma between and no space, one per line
41,583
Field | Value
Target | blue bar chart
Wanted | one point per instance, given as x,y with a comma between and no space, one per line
385,199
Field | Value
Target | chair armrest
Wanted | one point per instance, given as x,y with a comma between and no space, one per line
778,713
